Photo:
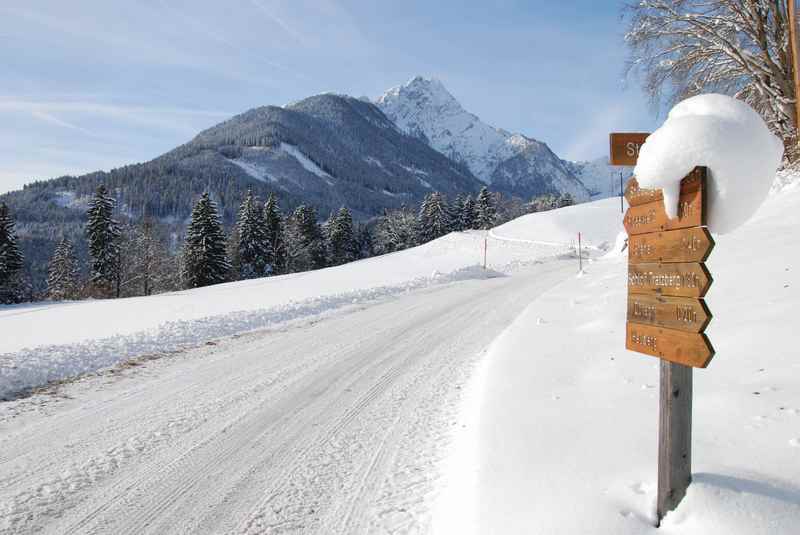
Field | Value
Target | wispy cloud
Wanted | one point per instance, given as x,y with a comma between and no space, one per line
52,119
161,117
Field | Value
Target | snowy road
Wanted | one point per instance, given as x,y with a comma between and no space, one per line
331,426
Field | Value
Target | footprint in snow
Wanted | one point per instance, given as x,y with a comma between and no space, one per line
794,442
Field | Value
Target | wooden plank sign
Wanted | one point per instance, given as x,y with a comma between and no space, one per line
685,245
636,195
666,274
690,349
625,147
676,279
652,217
681,313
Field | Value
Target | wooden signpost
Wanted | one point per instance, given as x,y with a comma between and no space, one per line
625,147
667,315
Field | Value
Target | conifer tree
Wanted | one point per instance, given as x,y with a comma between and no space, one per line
396,231
103,234
466,214
341,238
434,218
63,276
274,236
11,260
455,213
365,242
205,261
252,246
304,242
486,210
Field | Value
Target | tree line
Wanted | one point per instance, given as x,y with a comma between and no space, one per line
128,258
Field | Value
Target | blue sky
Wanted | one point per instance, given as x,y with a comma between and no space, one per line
90,84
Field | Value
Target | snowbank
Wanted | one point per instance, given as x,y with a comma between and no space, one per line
725,135
566,437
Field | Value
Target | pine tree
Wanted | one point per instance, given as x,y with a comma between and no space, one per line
274,236
365,242
11,260
467,214
396,231
205,261
341,238
304,242
252,245
455,213
103,234
434,218
63,280
485,209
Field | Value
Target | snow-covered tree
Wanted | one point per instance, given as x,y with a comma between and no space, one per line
434,218
738,47
274,236
396,231
103,234
365,241
341,238
204,258
466,213
485,210
305,246
11,260
252,247
63,276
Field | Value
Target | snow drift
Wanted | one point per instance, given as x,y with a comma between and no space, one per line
730,139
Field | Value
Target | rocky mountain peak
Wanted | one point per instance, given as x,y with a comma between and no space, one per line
424,108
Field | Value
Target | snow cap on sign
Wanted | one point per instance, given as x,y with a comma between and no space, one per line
729,138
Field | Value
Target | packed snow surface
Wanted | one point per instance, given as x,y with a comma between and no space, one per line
730,139
411,393
563,437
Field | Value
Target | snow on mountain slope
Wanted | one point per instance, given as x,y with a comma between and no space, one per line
599,177
561,433
509,162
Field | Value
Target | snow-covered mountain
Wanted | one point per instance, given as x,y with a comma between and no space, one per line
599,177
509,162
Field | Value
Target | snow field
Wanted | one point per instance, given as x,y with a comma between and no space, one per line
566,437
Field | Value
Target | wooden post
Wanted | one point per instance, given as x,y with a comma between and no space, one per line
621,194
485,246
794,49
674,436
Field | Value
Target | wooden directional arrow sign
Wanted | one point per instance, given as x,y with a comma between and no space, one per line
689,349
636,195
682,313
651,217
685,245
677,280
625,147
